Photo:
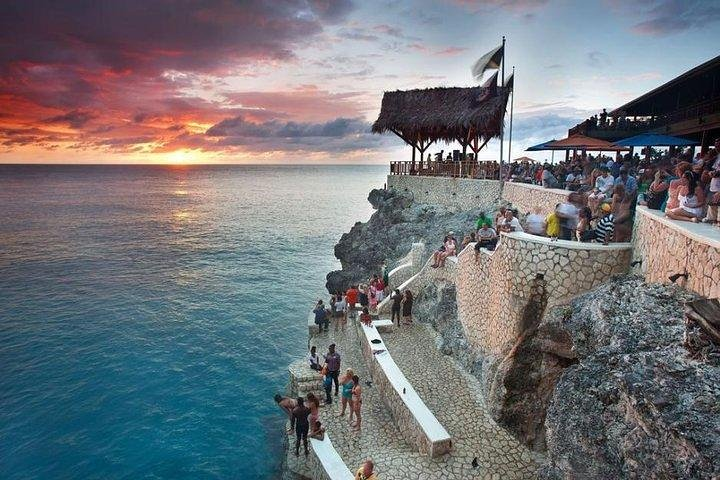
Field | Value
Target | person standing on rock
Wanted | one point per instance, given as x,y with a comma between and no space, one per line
407,304
351,297
346,398
356,402
332,361
395,311
321,318
327,384
300,423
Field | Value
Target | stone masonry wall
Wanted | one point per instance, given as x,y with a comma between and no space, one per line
459,193
500,294
667,247
526,197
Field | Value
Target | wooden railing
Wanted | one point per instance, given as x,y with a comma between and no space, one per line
461,169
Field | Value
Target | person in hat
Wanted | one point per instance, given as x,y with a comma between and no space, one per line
605,229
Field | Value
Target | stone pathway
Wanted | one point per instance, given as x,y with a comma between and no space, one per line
451,394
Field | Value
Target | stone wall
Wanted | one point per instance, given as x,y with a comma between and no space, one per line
667,247
503,292
407,266
526,197
407,409
459,193
421,279
466,193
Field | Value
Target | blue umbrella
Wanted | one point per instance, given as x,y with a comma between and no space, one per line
542,146
655,140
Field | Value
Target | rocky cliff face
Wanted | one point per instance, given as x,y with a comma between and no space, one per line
638,404
389,234
604,386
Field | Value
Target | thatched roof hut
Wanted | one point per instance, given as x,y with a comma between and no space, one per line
423,116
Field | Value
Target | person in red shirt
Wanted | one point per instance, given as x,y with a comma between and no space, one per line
365,317
352,298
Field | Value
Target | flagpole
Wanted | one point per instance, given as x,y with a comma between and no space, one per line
502,125
512,103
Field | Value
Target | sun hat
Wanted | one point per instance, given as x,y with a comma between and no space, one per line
605,207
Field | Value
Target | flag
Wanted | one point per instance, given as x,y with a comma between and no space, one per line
510,82
489,88
491,59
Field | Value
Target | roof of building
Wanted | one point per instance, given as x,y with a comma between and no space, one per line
443,113
640,105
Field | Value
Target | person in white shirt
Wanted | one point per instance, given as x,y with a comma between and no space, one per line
314,359
510,223
713,211
536,222
604,185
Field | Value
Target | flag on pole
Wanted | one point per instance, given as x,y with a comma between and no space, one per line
492,59
489,88
510,82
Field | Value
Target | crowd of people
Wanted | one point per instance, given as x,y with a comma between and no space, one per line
359,302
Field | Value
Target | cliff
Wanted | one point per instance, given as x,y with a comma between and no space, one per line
603,385
390,232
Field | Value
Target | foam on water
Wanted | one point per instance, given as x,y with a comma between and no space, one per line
147,314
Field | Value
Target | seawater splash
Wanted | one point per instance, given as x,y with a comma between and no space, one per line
147,314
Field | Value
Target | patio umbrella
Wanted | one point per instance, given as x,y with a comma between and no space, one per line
582,142
655,140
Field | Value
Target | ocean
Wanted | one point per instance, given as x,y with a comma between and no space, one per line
148,313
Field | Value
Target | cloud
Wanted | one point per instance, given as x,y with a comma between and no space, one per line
75,119
515,6
238,127
146,76
597,58
667,17
208,36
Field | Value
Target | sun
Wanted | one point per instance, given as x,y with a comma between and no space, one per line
180,156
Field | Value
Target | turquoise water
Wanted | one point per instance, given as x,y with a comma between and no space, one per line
147,314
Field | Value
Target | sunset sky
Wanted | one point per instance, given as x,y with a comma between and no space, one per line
300,81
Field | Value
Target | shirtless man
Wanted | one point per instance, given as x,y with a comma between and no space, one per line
287,404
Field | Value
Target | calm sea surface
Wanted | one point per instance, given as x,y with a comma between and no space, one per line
147,314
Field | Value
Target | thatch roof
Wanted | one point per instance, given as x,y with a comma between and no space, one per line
442,113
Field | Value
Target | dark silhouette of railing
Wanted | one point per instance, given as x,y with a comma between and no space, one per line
460,169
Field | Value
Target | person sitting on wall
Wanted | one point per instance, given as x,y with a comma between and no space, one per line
487,239
482,218
467,240
317,431
691,197
510,223
314,359
583,232
447,250
548,178
657,191
536,223
500,215
365,317
365,472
